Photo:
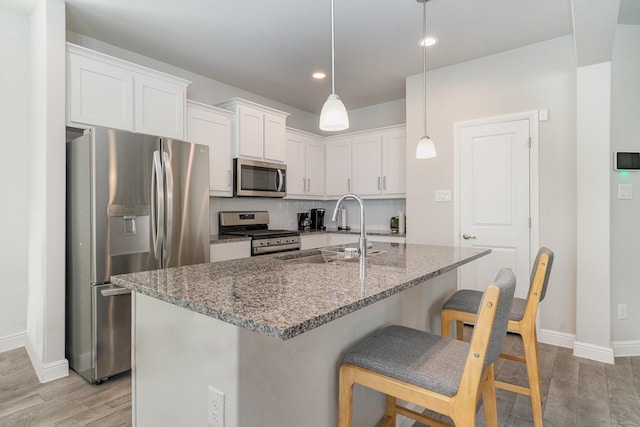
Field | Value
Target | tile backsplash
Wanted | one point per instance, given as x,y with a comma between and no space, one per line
283,213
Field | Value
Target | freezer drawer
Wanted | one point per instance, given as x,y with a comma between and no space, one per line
112,330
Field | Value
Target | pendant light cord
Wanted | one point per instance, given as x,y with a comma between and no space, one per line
333,44
424,61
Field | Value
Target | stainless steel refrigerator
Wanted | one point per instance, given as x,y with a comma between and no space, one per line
134,203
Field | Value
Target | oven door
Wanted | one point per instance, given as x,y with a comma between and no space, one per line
262,179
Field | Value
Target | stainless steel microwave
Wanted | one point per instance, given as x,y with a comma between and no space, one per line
259,179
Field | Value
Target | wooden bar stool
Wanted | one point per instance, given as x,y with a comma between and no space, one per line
441,374
461,308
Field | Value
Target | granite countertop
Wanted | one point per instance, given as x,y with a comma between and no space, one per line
226,238
278,296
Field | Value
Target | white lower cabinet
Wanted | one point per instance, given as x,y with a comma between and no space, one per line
312,241
230,250
343,239
211,126
387,239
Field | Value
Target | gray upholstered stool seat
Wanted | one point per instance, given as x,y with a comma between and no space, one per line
441,374
415,357
468,300
462,306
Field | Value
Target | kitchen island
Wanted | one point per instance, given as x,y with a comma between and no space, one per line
269,332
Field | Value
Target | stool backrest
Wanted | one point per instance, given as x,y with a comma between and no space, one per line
489,332
543,250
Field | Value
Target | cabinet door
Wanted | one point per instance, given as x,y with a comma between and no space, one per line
296,179
366,165
315,159
250,132
274,138
338,167
311,241
394,161
99,93
214,130
160,107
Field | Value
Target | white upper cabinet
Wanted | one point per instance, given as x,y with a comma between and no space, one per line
107,91
258,132
378,163
305,155
211,126
338,169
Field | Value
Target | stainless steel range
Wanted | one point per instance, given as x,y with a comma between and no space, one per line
256,225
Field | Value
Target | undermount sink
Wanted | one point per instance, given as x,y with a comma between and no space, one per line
317,257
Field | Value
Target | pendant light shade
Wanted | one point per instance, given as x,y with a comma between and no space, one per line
425,149
334,115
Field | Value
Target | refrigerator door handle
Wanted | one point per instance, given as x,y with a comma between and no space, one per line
115,291
168,171
157,210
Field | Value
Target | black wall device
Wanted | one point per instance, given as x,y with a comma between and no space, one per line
626,161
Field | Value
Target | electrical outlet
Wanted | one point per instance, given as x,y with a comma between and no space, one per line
622,311
215,408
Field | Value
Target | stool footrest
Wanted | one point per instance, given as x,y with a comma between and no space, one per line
512,357
514,388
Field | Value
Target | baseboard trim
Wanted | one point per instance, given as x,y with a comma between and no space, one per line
626,348
594,352
11,342
560,339
47,371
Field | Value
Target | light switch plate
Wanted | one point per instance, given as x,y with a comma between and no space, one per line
625,191
442,196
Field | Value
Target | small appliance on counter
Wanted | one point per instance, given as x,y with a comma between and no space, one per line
397,224
342,223
317,219
304,222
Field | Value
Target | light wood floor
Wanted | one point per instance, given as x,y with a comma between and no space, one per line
69,401
578,392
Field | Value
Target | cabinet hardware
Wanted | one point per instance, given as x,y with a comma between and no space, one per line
378,183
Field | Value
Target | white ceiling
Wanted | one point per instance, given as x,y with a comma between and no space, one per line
271,47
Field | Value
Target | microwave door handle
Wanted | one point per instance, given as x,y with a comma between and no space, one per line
279,180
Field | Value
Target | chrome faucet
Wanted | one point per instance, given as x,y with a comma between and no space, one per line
362,242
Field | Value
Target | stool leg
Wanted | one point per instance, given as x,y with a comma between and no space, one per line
345,396
489,398
391,411
533,374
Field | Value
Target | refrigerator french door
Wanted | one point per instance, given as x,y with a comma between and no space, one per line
134,203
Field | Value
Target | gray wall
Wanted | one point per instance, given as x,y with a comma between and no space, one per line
540,76
14,173
625,214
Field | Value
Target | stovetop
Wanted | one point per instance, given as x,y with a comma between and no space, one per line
263,234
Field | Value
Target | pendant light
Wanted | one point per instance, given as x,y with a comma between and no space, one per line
333,116
425,148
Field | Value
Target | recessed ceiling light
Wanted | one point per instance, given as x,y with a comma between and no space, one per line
429,41
319,75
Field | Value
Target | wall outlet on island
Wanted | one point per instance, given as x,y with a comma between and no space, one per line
215,408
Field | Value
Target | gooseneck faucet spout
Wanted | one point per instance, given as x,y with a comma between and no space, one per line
362,242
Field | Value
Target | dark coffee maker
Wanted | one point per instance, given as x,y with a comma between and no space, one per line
304,222
317,219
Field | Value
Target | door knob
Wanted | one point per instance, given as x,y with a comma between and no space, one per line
466,236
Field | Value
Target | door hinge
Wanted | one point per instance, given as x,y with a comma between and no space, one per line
529,222
530,142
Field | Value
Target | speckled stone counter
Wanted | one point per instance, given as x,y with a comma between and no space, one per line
280,296
270,332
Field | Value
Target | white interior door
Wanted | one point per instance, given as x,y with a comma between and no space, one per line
494,200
